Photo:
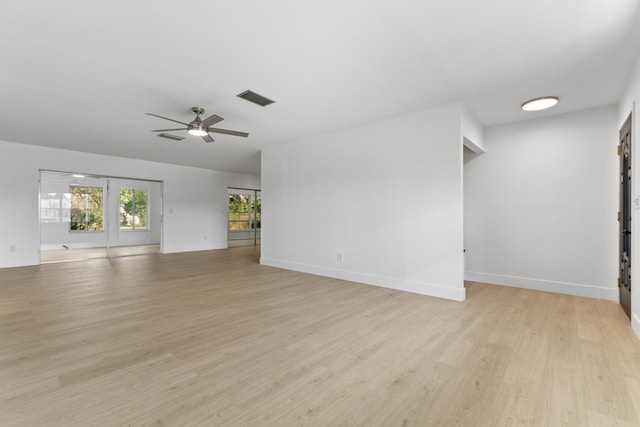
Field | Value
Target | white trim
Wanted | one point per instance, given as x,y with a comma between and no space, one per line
635,320
466,142
440,291
576,289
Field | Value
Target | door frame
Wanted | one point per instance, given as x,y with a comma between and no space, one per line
626,215
253,193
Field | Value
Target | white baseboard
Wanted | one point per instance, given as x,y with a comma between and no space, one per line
456,294
635,324
22,262
589,291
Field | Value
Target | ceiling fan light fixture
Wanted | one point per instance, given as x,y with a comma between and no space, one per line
197,131
541,103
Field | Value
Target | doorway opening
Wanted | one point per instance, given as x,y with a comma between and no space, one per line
470,151
245,217
85,216
624,216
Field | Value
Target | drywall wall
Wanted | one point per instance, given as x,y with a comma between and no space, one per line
378,204
540,205
195,200
629,104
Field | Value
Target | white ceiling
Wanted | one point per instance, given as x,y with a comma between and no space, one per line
80,74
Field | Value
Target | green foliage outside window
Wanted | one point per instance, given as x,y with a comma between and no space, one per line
86,208
244,212
133,209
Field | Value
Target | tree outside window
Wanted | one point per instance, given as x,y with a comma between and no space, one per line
244,212
86,208
133,209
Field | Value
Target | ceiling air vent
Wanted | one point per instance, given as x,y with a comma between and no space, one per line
169,136
255,98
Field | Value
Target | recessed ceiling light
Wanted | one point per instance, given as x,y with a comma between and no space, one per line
78,176
538,104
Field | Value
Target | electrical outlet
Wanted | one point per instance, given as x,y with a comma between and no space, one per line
12,248
340,257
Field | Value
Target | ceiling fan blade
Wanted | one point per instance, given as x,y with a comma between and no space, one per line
228,132
211,120
167,130
166,118
207,138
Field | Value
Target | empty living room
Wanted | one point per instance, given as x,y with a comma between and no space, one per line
323,214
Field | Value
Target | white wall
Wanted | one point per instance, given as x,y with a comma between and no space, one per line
628,104
387,195
195,200
541,203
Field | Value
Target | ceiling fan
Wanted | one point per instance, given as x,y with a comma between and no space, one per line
198,126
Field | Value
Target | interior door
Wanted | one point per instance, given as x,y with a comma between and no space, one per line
624,281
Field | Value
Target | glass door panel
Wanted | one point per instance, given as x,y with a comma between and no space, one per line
72,217
244,217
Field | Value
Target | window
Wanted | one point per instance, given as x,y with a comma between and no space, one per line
244,212
133,209
238,212
86,208
55,207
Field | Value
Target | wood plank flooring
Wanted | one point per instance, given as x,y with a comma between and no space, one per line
47,256
214,339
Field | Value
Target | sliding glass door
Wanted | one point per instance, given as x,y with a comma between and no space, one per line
72,217
136,217
245,217
84,216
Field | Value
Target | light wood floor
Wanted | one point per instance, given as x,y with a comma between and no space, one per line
242,242
66,255
213,338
